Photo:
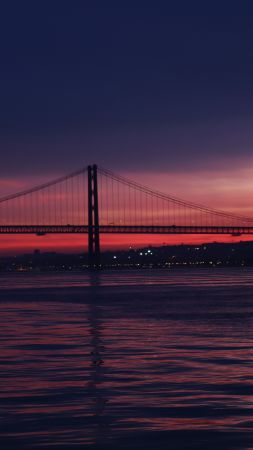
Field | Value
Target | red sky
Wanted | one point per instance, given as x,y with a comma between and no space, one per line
77,243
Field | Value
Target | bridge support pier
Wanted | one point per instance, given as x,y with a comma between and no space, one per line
93,219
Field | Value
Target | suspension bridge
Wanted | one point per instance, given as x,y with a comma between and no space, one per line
93,200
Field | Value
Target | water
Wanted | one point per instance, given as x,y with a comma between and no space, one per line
137,359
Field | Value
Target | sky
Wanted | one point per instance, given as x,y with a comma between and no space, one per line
160,93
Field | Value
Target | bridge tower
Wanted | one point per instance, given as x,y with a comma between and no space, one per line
93,219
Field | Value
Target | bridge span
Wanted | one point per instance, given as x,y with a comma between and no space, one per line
96,201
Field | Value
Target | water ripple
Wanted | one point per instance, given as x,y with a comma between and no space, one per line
118,367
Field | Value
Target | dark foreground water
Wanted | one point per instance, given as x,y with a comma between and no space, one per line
128,360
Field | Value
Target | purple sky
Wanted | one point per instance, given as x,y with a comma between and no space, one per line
132,88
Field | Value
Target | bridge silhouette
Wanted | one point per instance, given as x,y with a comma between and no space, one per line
93,200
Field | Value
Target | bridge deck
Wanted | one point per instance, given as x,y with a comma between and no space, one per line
125,229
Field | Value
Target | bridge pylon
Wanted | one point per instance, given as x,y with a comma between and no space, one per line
93,219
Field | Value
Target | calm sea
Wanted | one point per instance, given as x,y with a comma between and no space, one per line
127,360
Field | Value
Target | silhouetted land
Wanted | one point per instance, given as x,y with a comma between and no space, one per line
206,255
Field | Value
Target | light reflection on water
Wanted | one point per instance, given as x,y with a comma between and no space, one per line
94,365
